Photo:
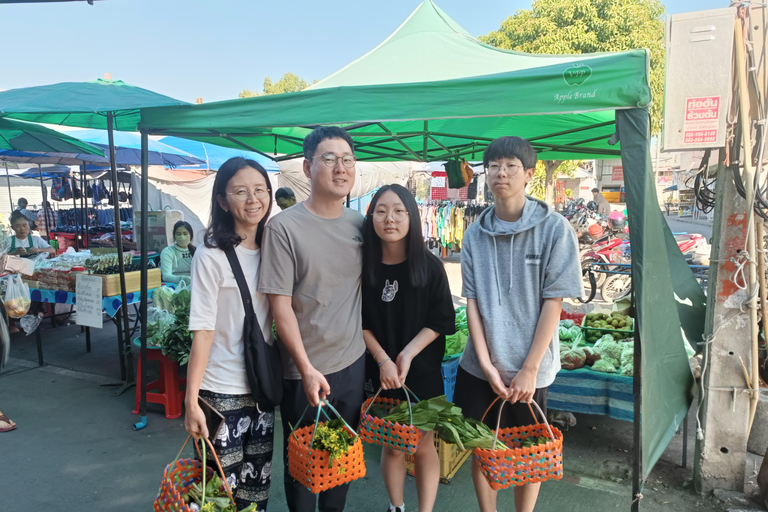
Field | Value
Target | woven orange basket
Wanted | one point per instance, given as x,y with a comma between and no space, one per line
310,466
404,438
521,466
179,477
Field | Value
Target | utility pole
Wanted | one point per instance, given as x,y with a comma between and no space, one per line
721,453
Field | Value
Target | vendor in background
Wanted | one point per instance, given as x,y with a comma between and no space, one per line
176,260
47,216
603,206
285,198
30,215
25,244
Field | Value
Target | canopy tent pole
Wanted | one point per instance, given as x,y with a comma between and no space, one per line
45,208
126,356
144,279
83,184
77,224
7,175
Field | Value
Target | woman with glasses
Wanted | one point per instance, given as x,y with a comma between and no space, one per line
240,206
407,311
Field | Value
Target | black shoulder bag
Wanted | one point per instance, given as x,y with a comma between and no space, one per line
262,361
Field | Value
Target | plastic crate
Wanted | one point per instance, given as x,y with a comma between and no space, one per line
450,458
448,369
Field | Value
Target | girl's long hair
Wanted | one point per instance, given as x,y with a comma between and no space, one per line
221,229
416,252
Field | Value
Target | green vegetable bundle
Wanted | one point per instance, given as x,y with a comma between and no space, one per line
443,416
174,339
216,498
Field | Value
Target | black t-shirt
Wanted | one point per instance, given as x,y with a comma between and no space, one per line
395,312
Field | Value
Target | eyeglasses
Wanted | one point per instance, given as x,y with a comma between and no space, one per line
397,215
511,168
329,159
243,195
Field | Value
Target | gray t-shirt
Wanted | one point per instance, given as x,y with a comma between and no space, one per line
318,262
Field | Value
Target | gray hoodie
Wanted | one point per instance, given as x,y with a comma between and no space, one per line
510,268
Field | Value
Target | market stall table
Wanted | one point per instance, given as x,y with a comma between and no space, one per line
111,306
586,391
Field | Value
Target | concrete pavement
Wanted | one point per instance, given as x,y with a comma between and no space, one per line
75,449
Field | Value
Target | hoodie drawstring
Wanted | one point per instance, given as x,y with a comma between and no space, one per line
496,268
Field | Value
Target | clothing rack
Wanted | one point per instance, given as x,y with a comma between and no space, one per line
445,221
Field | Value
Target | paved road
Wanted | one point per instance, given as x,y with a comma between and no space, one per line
685,226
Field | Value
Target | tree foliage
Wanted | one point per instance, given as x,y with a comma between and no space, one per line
588,26
287,83
543,183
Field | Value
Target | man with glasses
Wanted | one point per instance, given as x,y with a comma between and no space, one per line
518,262
311,268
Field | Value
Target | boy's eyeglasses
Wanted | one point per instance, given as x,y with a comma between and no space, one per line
397,215
512,169
243,195
329,159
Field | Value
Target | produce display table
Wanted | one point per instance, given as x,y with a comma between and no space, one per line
589,392
111,305
606,394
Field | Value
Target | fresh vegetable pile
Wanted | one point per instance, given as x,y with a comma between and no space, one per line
569,331
168,322
333,437
443,416
106,264
216,498
619,325
455,343
572,357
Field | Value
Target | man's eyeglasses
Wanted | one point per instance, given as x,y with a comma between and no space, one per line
512,169
243,195
397,215
329,159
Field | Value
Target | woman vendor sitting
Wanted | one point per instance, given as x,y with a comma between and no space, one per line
176,260
25,244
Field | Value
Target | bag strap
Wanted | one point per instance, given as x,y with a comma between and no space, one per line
245,293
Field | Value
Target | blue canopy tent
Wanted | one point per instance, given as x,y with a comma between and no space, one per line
128,149
214,155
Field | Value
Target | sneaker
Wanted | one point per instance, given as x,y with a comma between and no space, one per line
396,509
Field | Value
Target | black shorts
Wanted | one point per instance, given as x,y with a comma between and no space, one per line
474,396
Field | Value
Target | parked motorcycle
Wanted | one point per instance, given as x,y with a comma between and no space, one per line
617,286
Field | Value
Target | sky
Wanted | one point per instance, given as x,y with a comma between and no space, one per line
213,49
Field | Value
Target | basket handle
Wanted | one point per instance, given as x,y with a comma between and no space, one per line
317,419
203,456
498,420
407,399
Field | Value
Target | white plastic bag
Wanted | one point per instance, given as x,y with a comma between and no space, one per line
16,298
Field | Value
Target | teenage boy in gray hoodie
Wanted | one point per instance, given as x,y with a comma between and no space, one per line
518,261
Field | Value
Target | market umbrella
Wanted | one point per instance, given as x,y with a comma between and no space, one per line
30,137
214,155
128,149
110,104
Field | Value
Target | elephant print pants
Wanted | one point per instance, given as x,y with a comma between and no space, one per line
244,446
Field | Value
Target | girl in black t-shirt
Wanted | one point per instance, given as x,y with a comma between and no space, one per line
407,311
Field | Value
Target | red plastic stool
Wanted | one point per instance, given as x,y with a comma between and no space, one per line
167,385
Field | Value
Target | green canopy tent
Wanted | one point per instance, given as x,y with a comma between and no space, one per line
431,91
104,104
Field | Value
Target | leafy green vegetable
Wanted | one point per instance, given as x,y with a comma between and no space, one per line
443,416
216,498
173,337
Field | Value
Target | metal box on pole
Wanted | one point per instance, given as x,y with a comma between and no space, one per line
698,79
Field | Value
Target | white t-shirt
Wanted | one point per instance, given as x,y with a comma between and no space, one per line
37,243
217,306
